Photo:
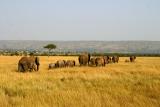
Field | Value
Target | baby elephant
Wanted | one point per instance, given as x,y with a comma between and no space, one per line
132,58
61,63
100,61
70,63
52,66
115,59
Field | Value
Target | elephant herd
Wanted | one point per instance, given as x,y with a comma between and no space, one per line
32,63
87,59
62,63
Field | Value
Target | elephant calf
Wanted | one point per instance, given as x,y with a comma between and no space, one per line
52,65
132,58
100,61
70,63
115,59
107,59
61,63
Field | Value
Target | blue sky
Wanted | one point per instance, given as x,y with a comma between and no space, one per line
80,20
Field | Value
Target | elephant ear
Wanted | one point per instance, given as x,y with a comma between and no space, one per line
37,61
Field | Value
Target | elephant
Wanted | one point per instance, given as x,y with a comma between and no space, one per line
115,59
93,61
70,63
52,65
84,59
100,61
132,58
28,64
61,63
107,59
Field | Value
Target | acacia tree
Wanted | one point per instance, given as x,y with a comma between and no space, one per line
50,47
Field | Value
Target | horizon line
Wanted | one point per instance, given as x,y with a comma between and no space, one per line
82,40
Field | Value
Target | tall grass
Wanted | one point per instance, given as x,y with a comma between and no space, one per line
116,85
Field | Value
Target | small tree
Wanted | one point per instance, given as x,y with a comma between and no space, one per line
50,47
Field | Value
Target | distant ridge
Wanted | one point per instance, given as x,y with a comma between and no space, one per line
90,46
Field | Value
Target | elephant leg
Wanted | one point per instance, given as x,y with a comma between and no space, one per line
34,68
25,67
20,68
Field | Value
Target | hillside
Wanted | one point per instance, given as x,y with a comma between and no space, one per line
91,46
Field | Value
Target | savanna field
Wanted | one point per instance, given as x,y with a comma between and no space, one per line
115,85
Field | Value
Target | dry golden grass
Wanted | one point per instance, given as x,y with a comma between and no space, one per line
116,85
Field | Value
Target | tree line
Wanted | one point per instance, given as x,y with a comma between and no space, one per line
51,47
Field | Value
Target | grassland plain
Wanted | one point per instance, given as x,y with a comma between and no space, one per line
116,85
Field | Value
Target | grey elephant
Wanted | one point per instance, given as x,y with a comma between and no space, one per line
52,65
28,64
100,61
107,59
115,59
70,63
61,63
84,59
132,58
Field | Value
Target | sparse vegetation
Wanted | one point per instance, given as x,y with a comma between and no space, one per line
50,47
141,47
116,85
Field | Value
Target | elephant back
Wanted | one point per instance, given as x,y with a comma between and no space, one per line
23,60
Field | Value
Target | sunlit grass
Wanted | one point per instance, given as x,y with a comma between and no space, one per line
116,85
